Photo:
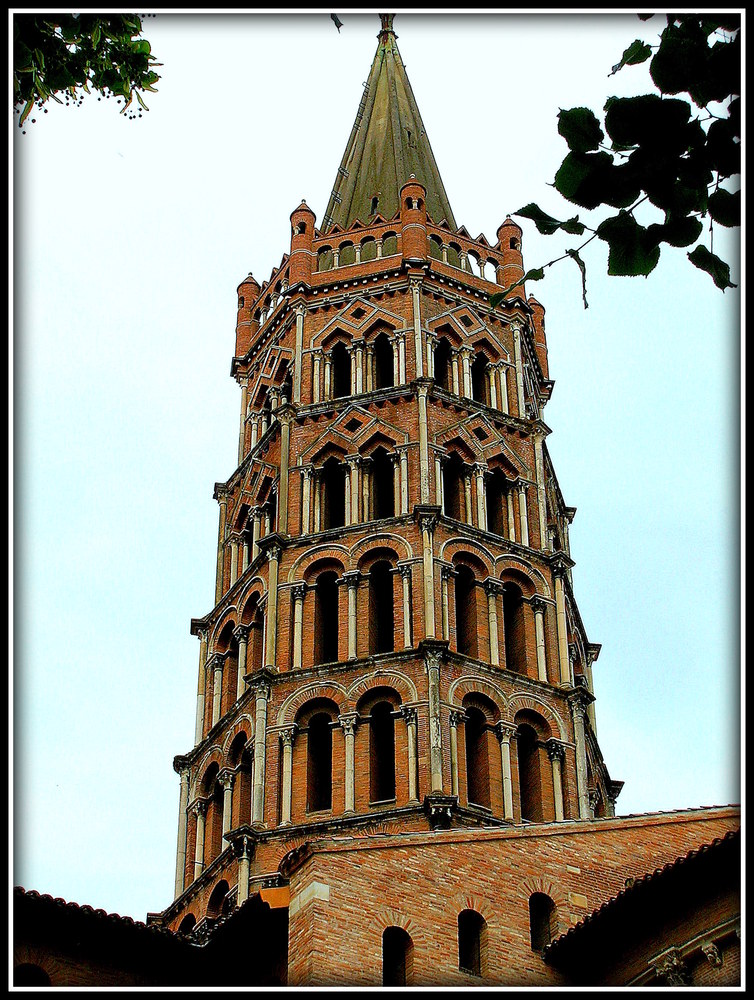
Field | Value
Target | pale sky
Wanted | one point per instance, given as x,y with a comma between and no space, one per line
130,240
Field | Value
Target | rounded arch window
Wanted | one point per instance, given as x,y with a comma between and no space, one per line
381,611
319,763
326,618
466,617
476,732
187,924
381,752
472,929
397,957
217,899
542,920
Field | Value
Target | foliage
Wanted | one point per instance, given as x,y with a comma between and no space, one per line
658,151
70,53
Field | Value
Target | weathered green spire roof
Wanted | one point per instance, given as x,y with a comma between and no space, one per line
387,144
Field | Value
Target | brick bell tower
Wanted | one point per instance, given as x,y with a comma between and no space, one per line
394,644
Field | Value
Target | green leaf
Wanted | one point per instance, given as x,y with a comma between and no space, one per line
702,258
725,207
679,232
637,52
580,129
536,274
574,255
546,224
632,251
582,176
25,113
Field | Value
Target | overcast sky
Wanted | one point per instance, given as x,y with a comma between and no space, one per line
131,237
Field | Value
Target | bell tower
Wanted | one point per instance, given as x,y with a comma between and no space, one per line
394,642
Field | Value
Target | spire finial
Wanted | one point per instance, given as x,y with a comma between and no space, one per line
386,22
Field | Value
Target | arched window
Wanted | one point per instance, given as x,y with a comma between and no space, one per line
254,615
381,617
443,368
477,758
454,255
326,618
333,494
347,254
341,371
381,753
453,489
368,249
217,899
389,244
324,259
435,247
542,920
480,386
28,974
397,957
383,484
513,628
383,362
319,763
187,924
529,774
466,622
239,761
472,928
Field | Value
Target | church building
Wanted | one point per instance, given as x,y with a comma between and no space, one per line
396,777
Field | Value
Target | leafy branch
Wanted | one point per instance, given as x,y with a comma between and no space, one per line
652,148
75,54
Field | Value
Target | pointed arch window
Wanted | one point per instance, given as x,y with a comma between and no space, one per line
383,362
341,371
480,384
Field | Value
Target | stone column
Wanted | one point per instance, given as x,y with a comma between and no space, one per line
522,513
401,358
467,495
438,481
300,310
538,607
432,659
511,516
492,383
327,393
180,861
234,543
353,462
415,284
369,350
351,580
481,507
241,635
457,718
405,571
348,724
216,665
306,499
395,462
423,446
244,382
466,353
317,501
201,686
285,416
404,480
562,627
222,499
254,431
493,588
244,868
273,557
297,596
200,811
455,366
256,516
576,701
445,574
358,363
427,523
505,733
541,498
519,369
410,715
316,377
226,780
287,736
367,506
556,753
501,369
261,696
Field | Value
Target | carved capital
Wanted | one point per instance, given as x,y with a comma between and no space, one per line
348,723
712,953
457,717
505,731
538,605
671,969
297,591
351,578
493,586
199,807
226,779
288,735
410,715
241,633
555,750
439,809
405,570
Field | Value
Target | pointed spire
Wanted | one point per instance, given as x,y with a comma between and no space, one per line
388,143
